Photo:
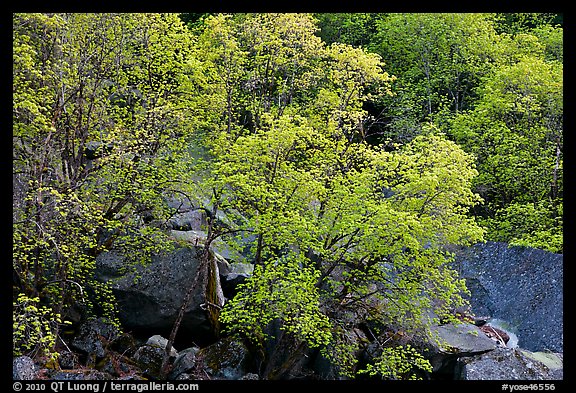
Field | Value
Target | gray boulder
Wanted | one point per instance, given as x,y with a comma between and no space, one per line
151,356
161,342
454,341
94,337
226,359
197,237
187,211
461,339
68,360
519,285
150,297
187,219
232,274
23,368
184,362
508,364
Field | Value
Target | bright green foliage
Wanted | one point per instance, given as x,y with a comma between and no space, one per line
281,289
261,122
531,225
398,363
343,350
382,257
438,58
553,40
100,126
452,65
356,29
516,132
500,75
273,181
435,184
34,329
356,231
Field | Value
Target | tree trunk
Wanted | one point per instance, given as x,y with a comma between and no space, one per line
204,266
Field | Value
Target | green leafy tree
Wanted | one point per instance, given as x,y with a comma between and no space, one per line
439,59
451,65
267,121
34,328
516,132
356,29
522,22
99,137
553,39
357,232
398,363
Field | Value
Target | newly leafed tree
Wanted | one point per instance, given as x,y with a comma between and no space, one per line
265,125
344,233
516,132
100,121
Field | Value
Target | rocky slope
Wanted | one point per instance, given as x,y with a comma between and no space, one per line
515,330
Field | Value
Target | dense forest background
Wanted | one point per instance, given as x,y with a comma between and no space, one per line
342,153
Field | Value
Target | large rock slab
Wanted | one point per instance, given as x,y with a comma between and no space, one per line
509,364
520,285
462,339
150,297
454,341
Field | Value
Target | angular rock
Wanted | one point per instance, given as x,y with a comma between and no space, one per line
456,341
193,237
119,366
161,342
68,360
149,359
225,359
94,337
23,368
232,274
520,285
505,364
149,299
185,214
125,344
462,339
191,220
197,237
185,361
